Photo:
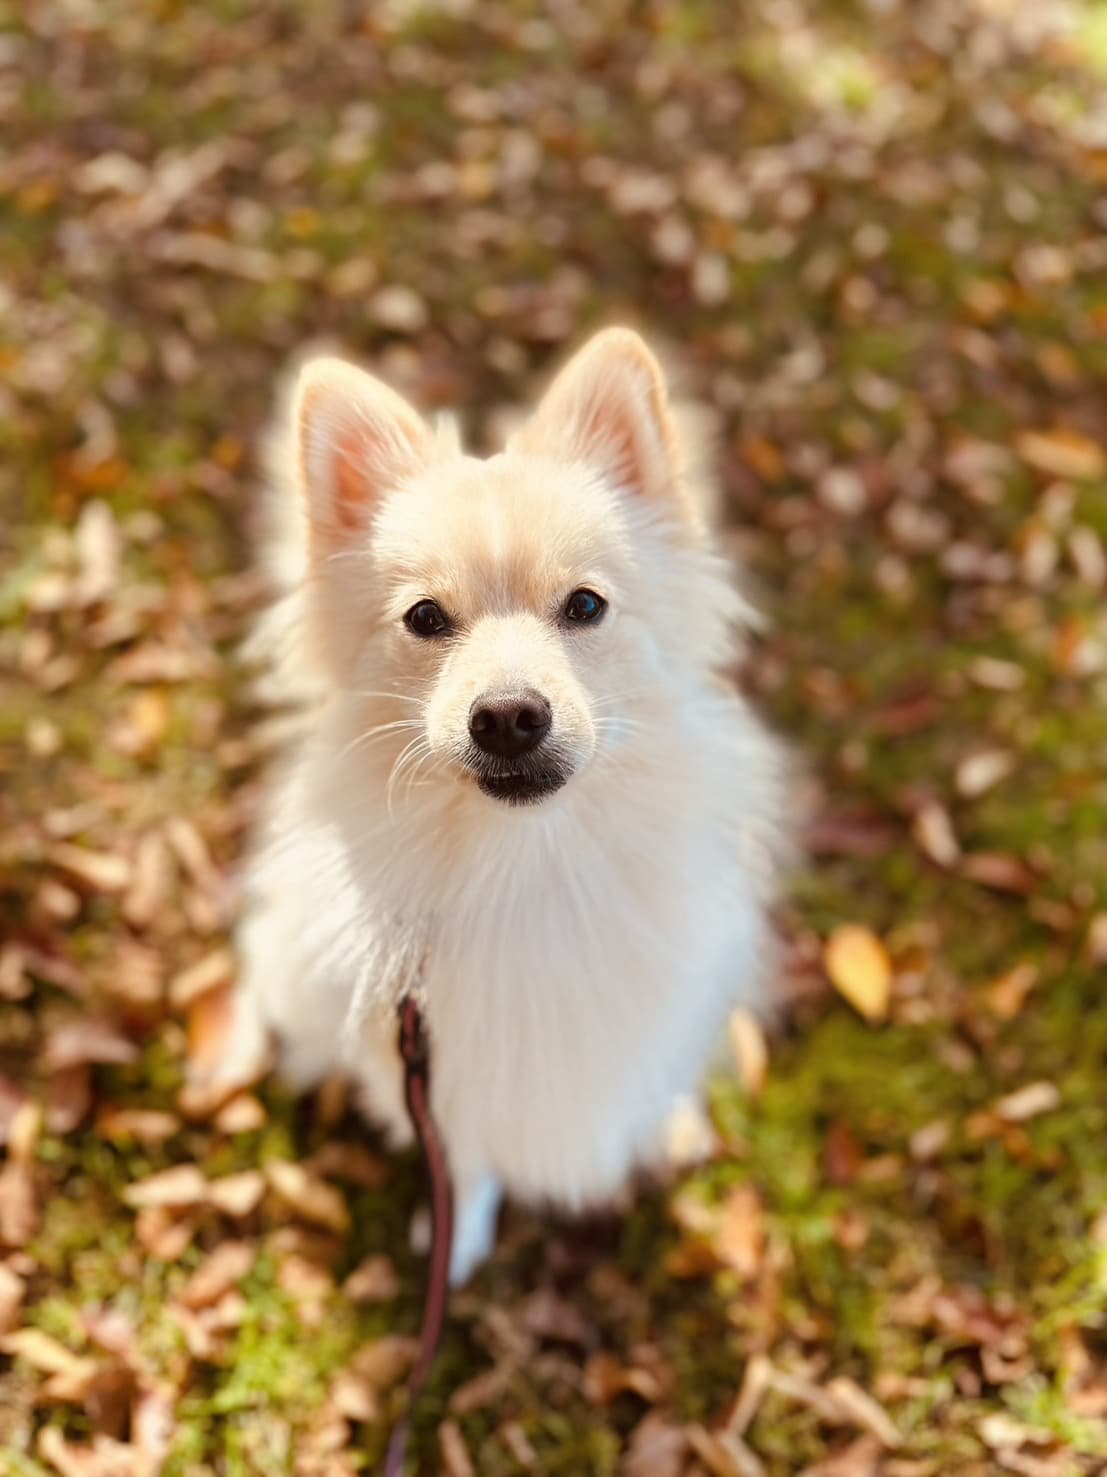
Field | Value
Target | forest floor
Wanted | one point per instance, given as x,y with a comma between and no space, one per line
875,235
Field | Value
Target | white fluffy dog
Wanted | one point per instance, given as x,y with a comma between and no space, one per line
522,786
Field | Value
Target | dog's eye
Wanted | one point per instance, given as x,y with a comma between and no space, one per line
427,618
584,607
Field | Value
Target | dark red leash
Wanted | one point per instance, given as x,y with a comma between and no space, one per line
415,1051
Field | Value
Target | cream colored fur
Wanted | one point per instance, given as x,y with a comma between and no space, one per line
577,956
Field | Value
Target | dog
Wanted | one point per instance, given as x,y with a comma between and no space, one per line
521,784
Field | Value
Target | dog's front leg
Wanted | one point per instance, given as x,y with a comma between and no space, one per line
477,1200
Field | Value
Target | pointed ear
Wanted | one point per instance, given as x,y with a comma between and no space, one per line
609,408
355,440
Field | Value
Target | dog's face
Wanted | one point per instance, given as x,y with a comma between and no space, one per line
497,619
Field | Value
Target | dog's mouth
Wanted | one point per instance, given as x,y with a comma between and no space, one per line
521,789
518,783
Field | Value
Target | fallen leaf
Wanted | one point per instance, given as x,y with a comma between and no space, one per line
88,1040
1062,452
178,1188
147,1126
739,1236
373,1281
209,973
860,1409
977,773
859,969
151,881
101,871
724,1453
750,1050
657,1448
12,1292
933,830
237,1195
244,1113
999,870
44,1353
456,1461
223,1269
385,1361
310,1197
1006,995
1028,1102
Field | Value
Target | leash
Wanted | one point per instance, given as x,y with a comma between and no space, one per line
415,1051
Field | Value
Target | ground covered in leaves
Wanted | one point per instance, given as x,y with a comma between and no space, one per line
876,233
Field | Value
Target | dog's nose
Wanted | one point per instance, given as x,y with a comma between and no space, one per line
509,725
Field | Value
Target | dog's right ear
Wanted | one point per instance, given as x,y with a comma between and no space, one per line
355,440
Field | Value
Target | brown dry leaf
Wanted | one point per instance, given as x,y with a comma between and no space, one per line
756,1380
1096,943
244,1113
212,972
724,1453
739,1236
178,1188
657,1448
18,1200
15,983
606,1377
1062,452
12,1292
136,978
860,1409
374,1280
456,1461
46,1354
68,1099
999,870
385,1361
88,1040
548,1316
164,1234
308,1286
310,1197
223,1269
146,1126
690,1136
927,1143
70,1459
236,1195
354,1397
192,852
1007,994
860,1458
100,871
357,1163
934,835
153,1427
750,1050
12,1098
977,773
151,881
482,1390
1028,1102
859,969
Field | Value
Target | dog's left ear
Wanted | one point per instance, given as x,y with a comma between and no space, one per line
609,408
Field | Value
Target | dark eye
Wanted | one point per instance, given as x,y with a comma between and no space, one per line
427,618
584,607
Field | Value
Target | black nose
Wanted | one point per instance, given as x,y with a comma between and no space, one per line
511,724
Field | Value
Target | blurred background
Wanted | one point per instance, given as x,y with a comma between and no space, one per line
872,237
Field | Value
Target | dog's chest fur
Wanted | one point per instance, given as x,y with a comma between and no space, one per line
578,961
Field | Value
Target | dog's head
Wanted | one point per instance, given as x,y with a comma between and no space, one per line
502,621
